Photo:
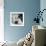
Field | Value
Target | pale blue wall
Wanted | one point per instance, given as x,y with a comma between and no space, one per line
43,6
29,7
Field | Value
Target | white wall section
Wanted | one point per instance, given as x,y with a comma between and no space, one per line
1,20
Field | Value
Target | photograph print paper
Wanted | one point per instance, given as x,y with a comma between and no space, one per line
17,18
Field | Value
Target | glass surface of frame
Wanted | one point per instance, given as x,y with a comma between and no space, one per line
16,18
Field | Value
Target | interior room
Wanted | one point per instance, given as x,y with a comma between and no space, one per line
23,23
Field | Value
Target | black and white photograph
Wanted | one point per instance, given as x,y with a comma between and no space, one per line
17,18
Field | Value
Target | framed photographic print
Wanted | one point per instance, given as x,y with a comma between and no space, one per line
16,18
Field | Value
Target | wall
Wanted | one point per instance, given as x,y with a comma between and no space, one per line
29,7
1,20
43,6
